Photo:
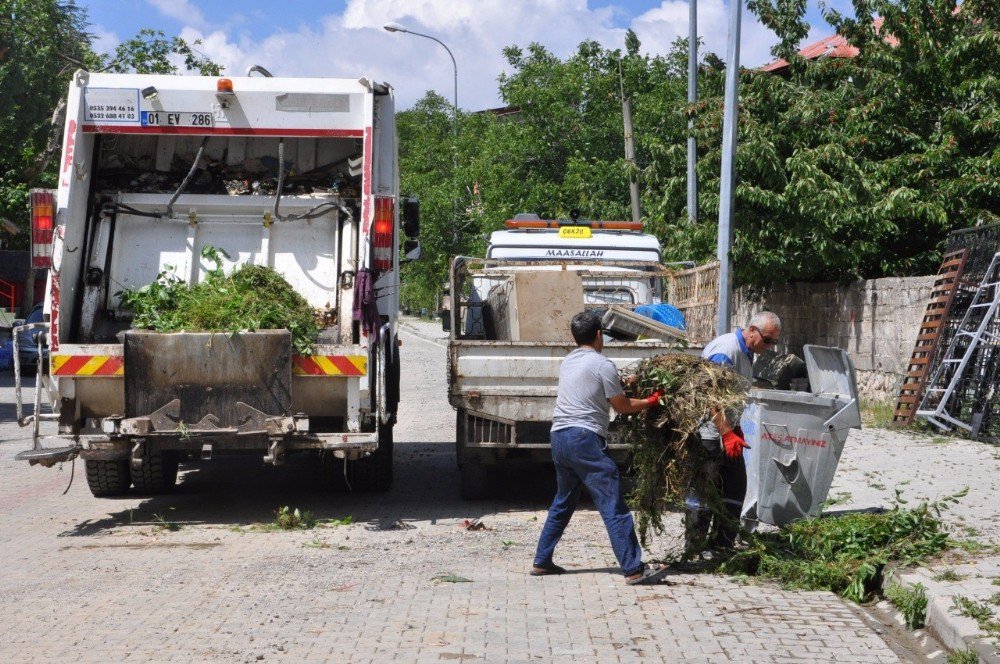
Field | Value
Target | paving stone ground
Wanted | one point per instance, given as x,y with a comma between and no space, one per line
89,579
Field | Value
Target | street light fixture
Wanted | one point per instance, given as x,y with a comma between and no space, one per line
396,27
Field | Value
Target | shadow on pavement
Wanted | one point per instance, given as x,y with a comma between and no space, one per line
242,490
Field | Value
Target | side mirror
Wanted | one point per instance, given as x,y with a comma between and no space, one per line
412,250
411,217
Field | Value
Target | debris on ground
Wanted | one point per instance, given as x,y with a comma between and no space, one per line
251,297
473,524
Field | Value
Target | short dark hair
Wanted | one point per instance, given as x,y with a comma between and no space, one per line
585,327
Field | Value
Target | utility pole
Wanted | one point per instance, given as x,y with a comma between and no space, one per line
629,147
692,98
727,189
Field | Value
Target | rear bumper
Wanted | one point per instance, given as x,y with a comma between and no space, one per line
99,447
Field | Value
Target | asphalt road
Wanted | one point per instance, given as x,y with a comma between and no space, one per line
197,575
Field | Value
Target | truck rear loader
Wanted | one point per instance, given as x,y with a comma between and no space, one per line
300,175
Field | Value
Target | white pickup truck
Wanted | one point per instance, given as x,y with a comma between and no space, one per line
509,332
300,175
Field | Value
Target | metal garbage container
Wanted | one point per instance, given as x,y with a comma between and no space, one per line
796,439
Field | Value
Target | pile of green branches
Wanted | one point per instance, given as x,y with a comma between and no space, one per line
667,459
251,297
845,553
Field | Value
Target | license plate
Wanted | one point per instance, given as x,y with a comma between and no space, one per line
176,119
575,232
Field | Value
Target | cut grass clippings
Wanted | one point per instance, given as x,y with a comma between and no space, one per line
251,297
845,554
666,461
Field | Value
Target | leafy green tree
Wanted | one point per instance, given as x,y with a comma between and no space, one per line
42,42
150,52
856,168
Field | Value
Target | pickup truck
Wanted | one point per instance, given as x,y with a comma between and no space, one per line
509,332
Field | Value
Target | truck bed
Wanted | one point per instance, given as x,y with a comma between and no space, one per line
515,382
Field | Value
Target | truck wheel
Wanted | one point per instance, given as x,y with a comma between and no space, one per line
158,473
374,472
108,478
475,480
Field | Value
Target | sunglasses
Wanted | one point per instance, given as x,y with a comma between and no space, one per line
768,341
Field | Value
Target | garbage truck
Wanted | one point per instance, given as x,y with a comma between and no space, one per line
297,174
509,322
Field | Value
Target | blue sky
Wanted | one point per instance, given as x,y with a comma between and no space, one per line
345,38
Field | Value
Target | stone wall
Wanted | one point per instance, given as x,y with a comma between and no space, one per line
876,321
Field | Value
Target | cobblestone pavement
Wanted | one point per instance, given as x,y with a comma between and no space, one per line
100,580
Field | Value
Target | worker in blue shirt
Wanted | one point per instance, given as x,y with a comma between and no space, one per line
722,442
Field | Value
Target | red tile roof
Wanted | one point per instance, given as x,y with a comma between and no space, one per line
834,46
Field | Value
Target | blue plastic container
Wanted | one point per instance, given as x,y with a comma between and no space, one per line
667,314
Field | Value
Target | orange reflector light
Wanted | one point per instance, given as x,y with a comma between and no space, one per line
553,223
224,85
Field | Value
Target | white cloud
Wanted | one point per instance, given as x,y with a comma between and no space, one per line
182,10
353,44
658,27
104,40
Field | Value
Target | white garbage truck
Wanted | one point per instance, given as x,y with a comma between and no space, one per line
509,331
297,174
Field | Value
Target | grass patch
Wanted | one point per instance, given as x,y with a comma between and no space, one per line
316,543
286,518
878,414
251,297
967,656
346,521
163,523
949,575
844,554
981,612
911,602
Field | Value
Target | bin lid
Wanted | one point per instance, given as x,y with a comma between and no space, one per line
830,371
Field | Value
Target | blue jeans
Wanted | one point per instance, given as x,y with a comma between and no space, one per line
581,461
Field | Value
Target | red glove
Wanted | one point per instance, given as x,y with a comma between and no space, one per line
733,444
654,398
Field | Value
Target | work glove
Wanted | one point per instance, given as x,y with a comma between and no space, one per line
654,398
733,444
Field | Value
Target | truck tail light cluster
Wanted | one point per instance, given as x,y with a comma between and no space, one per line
43,213
383,235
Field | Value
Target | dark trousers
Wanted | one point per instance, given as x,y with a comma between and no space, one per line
582,462
704,529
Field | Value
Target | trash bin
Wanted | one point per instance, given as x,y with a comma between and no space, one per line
796,439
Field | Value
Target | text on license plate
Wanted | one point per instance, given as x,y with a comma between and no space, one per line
175,119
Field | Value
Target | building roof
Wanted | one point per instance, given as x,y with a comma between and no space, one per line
833,46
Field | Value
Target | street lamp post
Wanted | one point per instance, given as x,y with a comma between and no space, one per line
396,27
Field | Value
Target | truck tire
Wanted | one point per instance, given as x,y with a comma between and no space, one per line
459,436
476,480
374,472
158,473
108,478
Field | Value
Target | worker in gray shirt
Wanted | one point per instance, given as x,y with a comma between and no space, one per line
588,383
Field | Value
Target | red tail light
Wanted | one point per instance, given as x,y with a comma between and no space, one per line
43,212
383,237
